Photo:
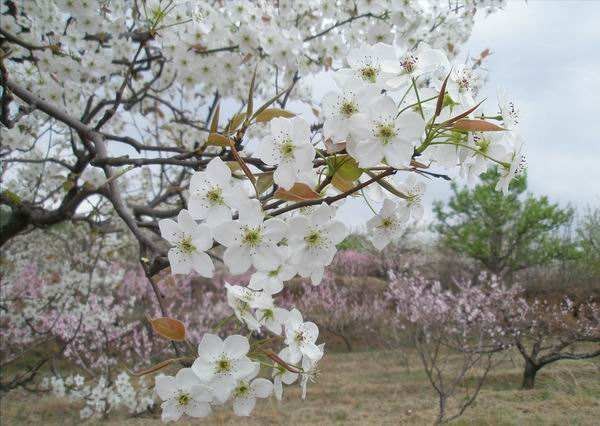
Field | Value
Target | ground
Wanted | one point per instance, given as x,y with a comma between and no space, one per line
380,388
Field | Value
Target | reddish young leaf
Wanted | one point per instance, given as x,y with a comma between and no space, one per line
217,139
250,106
463,115
235,122
476,126
298,192
440,100
417,164
214,123
169,328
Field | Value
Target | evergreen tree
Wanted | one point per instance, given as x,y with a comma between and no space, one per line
503,233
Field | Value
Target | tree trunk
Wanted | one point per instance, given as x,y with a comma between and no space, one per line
441,418
529,375
346,342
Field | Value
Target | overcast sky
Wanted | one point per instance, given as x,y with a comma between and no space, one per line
546,54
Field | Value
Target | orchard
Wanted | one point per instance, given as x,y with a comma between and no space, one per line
187,159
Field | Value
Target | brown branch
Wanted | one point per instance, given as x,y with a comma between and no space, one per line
334,198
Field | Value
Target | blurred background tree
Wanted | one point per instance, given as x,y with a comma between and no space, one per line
588,233
504,234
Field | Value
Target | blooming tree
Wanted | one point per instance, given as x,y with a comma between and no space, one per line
545,332
448,328
139,112
479,320
88,311
342,310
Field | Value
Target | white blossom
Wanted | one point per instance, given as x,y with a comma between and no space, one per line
246,392
249,240
312,239
412,65
388,225
310,370
413,203
516,164
385,135
221,364
271,280
369,66
243,301
281,375
183,394
190,242
213,193
301,336
288,148
344,111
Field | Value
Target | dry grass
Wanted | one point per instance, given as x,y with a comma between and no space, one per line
375,388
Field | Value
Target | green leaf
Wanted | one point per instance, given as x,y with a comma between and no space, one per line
346,168
263,182
342,184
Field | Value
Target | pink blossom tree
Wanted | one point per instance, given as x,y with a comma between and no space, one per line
545,332
347,313
446,327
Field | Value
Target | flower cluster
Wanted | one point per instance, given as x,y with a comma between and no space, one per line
223,371
277,250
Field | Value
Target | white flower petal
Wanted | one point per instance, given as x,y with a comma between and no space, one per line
215,215
237,259
202,237
261,388
210,347
181,263
243,406
285,176
218,171
236,346
203,370
265,258
165,387
203,264
198,207
171,411
170,231
228,233
274,230
222,387
186,378
312,351
197,409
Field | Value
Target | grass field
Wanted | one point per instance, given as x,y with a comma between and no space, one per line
376,388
